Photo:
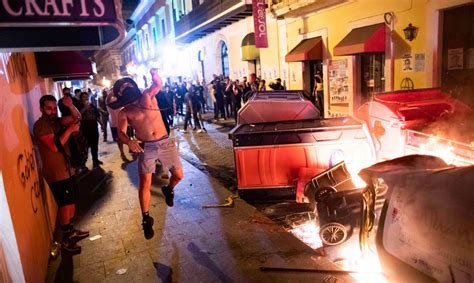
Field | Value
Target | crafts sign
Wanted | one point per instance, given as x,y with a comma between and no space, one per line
49,12
259,23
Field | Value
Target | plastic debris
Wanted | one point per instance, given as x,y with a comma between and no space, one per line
229,202
96,237
121,271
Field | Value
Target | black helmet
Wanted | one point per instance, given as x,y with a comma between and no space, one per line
125,91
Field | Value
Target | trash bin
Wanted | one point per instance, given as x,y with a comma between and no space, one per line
269,155
406,122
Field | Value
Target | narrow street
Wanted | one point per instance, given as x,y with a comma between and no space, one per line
190,243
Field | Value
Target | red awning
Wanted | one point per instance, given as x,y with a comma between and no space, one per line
64,65
362,40
307,49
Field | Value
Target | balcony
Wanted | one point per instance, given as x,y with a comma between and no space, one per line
209,17
296,8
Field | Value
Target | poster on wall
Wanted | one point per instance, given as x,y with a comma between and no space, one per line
407,65
470,58
340,82
455,59
419,62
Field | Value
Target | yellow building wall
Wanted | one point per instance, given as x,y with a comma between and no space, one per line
32,208
337,21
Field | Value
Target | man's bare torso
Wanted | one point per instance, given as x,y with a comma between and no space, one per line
145,118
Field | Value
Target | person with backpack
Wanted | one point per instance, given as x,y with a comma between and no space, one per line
52,134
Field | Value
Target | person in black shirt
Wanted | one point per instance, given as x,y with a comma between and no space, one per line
165,107
64,109
90,119
276,85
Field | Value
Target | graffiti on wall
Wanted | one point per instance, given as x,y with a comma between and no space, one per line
29,177
15,66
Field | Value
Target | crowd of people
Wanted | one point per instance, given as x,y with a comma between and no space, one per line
66,140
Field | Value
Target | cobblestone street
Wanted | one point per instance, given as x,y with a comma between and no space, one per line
191,244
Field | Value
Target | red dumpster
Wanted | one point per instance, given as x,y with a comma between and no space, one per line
269,155
419,122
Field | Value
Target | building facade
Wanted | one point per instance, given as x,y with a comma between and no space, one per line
360,47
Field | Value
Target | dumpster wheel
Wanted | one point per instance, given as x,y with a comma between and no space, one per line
332,234
323,192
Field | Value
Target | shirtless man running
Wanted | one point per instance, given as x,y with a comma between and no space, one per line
153,146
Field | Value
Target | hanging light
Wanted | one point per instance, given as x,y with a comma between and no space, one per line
410,32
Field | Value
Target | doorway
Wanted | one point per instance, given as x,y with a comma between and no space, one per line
309,82
457,67
372,75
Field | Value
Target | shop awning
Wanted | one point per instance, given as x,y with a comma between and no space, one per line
63,65
307,49
248,50
362,40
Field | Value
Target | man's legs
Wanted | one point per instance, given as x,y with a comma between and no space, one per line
176,176
144,191
65,196
144,195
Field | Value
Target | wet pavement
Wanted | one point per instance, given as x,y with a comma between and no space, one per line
191,243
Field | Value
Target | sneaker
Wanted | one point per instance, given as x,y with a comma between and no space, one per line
148,227
204,130
199,131
169,195
71,247
77,235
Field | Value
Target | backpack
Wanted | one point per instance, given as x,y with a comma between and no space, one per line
78,152
77,144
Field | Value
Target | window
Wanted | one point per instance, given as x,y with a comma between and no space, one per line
163,27
147,41
155,36
224,59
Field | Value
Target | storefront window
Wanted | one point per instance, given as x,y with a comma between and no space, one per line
372,75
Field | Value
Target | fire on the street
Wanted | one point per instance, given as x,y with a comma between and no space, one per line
451,151
366,268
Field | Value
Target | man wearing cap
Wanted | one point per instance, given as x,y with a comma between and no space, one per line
153,144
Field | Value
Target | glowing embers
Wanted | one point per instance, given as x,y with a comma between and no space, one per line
367,267
307,231
452,152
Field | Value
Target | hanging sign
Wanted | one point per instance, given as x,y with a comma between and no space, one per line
35,11
59,25
260,23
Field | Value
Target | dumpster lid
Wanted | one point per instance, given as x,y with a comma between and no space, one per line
273,106
421,105
295,126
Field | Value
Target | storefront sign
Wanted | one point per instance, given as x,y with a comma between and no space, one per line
260,23
58,25
53,11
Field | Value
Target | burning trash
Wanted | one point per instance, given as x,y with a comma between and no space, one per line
412,222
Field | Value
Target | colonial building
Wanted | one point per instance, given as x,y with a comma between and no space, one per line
361,47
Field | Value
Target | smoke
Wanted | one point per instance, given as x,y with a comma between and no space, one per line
458,126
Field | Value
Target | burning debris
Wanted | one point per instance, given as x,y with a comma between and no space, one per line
399,224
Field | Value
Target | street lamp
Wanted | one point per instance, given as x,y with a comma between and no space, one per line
410,32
